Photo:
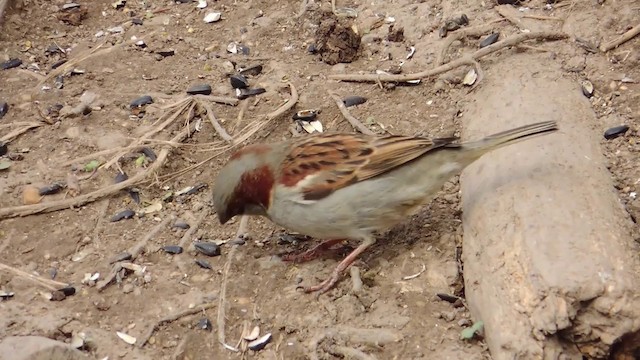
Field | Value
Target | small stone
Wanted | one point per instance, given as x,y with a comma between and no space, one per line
127,288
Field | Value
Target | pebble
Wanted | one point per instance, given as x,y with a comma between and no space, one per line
127,288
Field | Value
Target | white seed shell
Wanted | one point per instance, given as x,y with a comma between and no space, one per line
126,338
212,17
317,125
470,78
253,334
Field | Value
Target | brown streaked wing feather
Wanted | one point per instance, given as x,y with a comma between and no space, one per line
339,160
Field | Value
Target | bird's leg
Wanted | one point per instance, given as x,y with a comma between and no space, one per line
311,253
344,264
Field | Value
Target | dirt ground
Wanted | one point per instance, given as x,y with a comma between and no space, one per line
261,289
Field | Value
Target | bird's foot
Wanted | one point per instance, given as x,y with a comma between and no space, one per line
324,286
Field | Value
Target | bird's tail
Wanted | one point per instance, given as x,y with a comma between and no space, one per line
509,137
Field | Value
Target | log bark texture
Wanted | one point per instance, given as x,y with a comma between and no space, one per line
550,264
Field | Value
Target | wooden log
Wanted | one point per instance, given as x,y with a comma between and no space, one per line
550,264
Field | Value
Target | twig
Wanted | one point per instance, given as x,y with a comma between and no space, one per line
47,283
24,210
3,6
243,108
134,251
303,8
171,318
463,33
535,48
216,125
17,132
356,280
222,303
138,248
150,133
100,153
101,215
409,277
92,53
246,133
187,236
372,337
539,17
350,353
511,14
218,99
350,118
511,41
621,40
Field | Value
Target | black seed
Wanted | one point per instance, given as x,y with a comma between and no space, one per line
491,39
173,249
4,108
238,81
125,214
306,115
120,177
616,131
53,49
202,89
203,264
141,101
447,297
312,49
463,20
205,324
10,64
58,63
251,71
50,189
259,343
353,100
58,83
181,224
166,53
148,152
136,21
4,295
245,93
134,194
196,188
68,291
3,148
207,248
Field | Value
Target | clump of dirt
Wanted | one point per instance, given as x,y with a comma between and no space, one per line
336,42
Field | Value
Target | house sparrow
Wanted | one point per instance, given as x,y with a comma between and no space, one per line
347,186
